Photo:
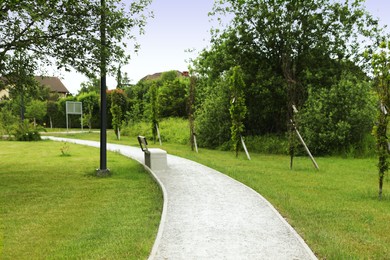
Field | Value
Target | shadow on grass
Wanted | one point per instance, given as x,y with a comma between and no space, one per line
98,174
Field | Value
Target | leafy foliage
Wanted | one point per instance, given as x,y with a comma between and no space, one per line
69,30
90,102
336,119
26,131
213,118
237,106
18,74
173,96
154,110
118,106
65,149
8,121
36,110
284,48
191,110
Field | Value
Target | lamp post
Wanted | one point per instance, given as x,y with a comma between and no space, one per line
103,170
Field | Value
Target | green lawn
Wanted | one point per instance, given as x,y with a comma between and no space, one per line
53,207
335,210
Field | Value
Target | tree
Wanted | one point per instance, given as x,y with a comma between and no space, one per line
213,118
283,48
191,109
7,120
381,69
19,77
92,85
154,110
137,101
169,76
69,31
52,111
119,78
338,118
118,109
173,95
36,110
90,107
237,106
116,119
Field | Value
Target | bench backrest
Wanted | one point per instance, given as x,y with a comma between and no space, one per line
143,143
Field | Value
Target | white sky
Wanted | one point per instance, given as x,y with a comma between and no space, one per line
179,25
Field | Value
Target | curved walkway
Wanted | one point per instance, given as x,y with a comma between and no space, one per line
208,215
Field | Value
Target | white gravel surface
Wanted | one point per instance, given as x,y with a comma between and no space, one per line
208,215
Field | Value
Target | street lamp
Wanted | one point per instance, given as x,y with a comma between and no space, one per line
103,170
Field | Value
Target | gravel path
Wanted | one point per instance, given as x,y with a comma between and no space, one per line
208,215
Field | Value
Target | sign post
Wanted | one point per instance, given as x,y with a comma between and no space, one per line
74,108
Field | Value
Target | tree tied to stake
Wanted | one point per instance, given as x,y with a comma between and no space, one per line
381,70
237,106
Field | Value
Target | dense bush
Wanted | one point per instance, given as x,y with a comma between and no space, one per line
173,98
26,131
338,119
212,119
90,101
36,110
8,121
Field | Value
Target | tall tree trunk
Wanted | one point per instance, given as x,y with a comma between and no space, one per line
289,75
22,105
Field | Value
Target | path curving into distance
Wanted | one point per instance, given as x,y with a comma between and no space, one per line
208,215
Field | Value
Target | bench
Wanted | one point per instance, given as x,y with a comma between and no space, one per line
155,158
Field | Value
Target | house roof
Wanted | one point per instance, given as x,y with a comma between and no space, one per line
53,83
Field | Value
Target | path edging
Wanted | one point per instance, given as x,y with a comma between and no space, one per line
163,213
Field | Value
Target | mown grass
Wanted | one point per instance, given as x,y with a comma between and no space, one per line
336,209
53,206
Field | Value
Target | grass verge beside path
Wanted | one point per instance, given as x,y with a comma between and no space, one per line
53,207
335,210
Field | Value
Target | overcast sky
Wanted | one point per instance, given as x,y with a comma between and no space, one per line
179,25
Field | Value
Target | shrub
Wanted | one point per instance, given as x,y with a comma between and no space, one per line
26,131
36,110
337,119
212,119
173,96
91,113
8,121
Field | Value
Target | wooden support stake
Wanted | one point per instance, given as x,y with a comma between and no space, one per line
246,151
306,148
196,145
158,134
